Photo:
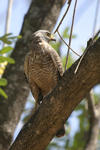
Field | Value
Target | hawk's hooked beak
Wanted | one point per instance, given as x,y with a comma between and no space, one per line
52,38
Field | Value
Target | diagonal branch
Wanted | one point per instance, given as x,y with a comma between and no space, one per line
60,102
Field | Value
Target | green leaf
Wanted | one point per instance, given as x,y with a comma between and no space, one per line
56,46
74,36
6,49
82,48
7,34
14,37
19,36
3,93
3,82
8,59
65,33
5,40
1,59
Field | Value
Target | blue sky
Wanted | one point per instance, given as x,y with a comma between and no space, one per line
83,25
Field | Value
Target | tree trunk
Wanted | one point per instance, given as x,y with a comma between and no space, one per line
42,14
60,102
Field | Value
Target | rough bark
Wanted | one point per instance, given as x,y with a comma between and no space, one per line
60,102
42,14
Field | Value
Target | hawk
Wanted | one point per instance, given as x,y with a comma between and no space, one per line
43,68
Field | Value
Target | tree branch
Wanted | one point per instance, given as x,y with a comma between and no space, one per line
69,3
60,102
94,123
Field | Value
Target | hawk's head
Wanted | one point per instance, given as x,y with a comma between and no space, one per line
42,35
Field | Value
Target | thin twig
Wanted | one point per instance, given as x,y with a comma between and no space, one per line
91,104
95,20
83,56
94,116
71,34
66,43
8,18
86,51
69,2
96,35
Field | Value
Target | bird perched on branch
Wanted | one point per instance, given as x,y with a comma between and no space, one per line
42,67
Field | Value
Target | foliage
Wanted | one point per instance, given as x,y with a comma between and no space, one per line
4,58
8,40
65,33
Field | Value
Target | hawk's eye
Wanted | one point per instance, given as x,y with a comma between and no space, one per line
47,34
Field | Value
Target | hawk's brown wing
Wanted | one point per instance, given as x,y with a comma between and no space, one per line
56,60
33,86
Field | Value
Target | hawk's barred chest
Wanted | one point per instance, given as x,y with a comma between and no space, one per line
41,65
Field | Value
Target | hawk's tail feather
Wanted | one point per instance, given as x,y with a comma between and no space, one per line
61,131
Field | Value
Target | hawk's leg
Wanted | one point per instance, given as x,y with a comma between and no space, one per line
40,98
